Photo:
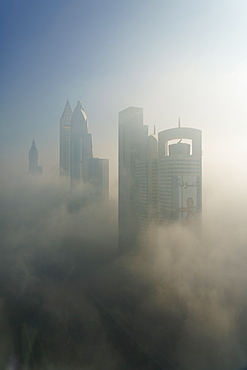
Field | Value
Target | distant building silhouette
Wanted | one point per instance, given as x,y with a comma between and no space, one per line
160,178
81,149
34,168
76,153
65,123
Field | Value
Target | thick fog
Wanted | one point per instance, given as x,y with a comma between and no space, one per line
182,288
51,241
66,296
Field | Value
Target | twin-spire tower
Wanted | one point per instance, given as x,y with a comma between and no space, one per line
76,153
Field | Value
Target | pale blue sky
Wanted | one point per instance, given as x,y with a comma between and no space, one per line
171,57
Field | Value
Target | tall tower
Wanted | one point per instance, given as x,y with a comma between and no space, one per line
34,168
132,142
76,154
80,146
180,174
65,123
147,183
98,176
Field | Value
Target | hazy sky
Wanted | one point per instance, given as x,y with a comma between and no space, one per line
174,58
171,57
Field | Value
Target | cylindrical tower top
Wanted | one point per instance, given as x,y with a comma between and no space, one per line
192,134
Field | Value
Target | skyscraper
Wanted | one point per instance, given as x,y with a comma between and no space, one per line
34,167
180,174
147,185
76,154
81,149
65,123
132,143
160,179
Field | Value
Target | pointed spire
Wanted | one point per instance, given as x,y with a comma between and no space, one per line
79,106
33,147
65,119
154,130
179,125
67,105
34,168
79,117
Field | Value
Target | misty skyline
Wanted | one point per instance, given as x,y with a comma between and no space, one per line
171,58
182,291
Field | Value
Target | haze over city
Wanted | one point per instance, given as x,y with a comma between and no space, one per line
174,59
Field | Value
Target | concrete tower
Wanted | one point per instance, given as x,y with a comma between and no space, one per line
65,123
80,146
34,168
132,143
147,183
180,174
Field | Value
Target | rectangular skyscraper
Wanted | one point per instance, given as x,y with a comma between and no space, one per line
147,184
132,142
